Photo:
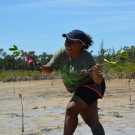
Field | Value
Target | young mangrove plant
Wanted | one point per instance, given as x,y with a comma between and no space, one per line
18,52
20,96
129,89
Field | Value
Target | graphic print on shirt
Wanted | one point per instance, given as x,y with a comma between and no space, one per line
65,77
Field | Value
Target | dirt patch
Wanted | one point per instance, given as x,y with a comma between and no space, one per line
44,105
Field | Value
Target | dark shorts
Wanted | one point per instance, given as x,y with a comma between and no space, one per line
91,92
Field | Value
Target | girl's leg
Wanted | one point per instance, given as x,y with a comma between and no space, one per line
90,116
74,107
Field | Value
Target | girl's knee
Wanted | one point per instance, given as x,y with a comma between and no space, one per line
71,112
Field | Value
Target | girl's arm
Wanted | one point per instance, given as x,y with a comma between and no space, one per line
46,69
97,78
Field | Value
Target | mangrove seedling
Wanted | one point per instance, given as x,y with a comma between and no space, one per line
20,95
129,88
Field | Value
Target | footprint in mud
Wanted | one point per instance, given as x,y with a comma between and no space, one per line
115,114
131,107
100,109
123,106
101,115
42,131
51,129
13,115
44,107
35,107
45,130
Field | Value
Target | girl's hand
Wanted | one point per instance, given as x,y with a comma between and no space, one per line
96,68
97,78
38,66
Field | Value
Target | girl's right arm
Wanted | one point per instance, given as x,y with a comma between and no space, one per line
46,69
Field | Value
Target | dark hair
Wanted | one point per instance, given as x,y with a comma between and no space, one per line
89,42
81,37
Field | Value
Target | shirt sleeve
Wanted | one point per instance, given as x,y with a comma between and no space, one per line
55,61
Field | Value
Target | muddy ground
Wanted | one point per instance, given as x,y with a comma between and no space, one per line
44,104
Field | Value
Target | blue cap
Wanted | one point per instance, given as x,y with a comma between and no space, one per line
77,35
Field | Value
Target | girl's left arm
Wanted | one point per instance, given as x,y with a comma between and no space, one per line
97,77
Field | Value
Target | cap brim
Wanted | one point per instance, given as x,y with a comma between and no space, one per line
64,35
69,35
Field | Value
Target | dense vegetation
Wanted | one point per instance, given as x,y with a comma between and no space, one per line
11,66
125,68
11,62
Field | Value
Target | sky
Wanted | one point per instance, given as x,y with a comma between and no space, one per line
38,25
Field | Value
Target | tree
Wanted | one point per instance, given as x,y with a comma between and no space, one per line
101,53
2,54
9,62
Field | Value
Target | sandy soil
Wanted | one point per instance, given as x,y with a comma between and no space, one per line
44,106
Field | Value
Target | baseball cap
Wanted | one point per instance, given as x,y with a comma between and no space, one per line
77,35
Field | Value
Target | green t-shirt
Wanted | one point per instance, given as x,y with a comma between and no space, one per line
70,69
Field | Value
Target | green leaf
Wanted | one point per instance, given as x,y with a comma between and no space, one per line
17,53
20,95
110,62
113,63
122,51
15,47
128,81
106,60
12,49
124,56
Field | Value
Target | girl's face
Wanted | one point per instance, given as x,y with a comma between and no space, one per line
73,48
